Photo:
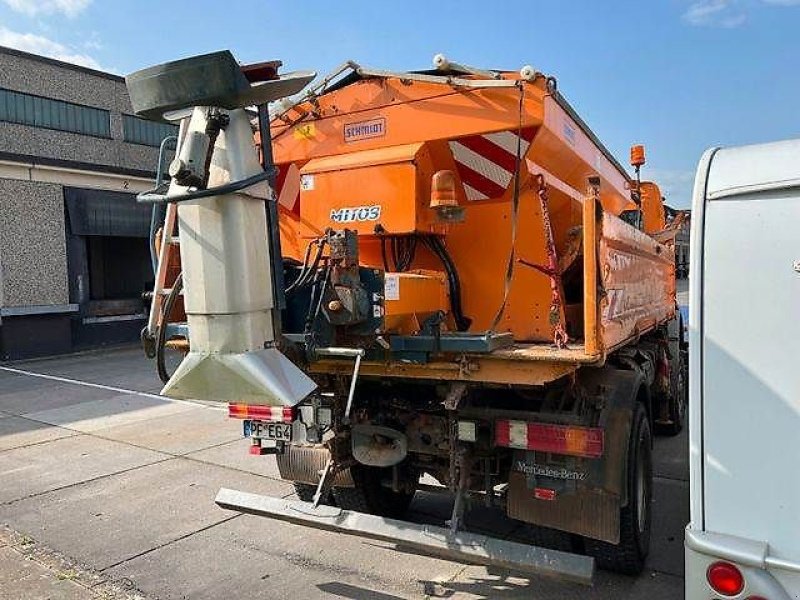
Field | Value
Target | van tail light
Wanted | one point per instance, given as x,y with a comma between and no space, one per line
725,579
256,412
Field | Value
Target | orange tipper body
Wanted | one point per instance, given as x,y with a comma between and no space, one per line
582,281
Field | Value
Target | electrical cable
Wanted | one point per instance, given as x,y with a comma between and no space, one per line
383,255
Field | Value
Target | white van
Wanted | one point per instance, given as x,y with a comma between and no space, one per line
743,541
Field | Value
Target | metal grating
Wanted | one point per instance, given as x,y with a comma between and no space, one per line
36,111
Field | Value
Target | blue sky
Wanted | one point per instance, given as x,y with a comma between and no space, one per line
677,75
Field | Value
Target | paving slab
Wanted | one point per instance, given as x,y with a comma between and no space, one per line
188,430
21,394
34,571
117,409
133,512
234,455
258,558
23,579
125,367
16,432
67,461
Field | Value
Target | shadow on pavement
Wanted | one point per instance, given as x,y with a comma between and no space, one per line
345,590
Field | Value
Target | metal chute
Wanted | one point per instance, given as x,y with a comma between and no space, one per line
225,255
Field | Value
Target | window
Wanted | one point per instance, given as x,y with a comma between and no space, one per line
142,131
26,109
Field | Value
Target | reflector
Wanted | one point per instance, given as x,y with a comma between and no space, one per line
724,578
560,439
277,414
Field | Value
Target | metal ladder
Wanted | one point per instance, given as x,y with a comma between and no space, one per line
167,254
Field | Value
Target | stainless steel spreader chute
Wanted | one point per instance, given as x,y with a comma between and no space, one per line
229,294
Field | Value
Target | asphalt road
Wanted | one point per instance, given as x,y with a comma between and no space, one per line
97,468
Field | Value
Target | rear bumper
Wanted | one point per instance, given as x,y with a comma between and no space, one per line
425,539
761,572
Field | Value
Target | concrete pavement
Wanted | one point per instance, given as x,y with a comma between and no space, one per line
95,468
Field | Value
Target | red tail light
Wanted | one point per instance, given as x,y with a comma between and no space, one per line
279,414
561,439
725,579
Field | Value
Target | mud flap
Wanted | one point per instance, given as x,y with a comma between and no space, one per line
586,493
586,511
425,539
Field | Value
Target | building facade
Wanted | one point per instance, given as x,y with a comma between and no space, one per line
74,250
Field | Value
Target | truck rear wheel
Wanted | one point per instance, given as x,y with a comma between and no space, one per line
679,385
680,399
371,496
635,519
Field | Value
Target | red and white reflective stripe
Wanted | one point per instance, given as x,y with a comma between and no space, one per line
486,162
287,186
275,414
559,439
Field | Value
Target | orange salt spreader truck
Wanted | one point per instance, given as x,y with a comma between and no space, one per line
437,276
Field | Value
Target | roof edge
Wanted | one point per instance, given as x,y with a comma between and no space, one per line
60,63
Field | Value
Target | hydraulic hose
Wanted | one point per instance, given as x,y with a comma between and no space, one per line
156,196
161,340
438,248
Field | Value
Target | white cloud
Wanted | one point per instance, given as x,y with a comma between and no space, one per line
726,13
37,44
48,7
715,13
93,42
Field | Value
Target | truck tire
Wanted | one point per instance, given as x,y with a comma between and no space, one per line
635,519
679,385
370,495
679,400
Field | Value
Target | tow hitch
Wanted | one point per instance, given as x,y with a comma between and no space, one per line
425,539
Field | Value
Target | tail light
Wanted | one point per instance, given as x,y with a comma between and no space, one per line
560,439
725,579
275,414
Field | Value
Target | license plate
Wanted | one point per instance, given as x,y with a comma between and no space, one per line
268,431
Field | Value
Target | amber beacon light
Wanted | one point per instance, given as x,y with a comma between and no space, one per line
638,158
443,197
